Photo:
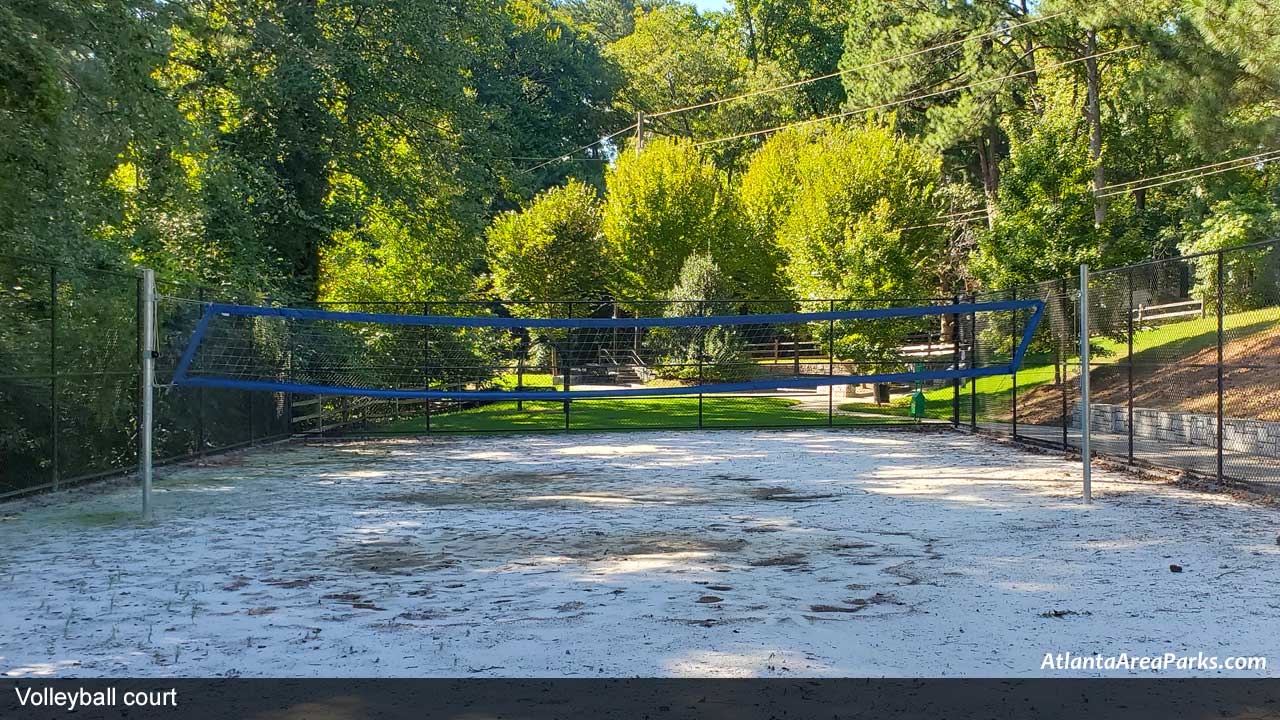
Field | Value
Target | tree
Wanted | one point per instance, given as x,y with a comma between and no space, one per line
76,93
667,202
551,250
611,20
1048,225
844,205
677,58
1251,278
805,39
546,86
965,125
713,353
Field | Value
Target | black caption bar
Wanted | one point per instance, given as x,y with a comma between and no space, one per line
569,699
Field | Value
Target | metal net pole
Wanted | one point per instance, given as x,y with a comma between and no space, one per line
147,331
1085,457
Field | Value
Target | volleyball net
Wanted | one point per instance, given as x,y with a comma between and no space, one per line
694,348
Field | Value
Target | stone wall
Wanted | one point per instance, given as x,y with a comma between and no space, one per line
1254,437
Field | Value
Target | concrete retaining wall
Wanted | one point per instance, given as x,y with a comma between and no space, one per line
1255,437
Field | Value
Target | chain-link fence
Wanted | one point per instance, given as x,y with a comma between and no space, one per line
598,360
69,380
1179,348
1184,367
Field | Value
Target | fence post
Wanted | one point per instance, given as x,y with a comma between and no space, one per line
147,332
955,362
1013,295
1062,362
250,396
200,396
973,364
287,408
520,353
53,375
1086,458
1129,396
702,349
831,365
1222,429
566,367
426,363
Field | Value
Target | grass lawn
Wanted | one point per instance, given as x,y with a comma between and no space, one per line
1162,344
624,413
1184,338
993,394
996,391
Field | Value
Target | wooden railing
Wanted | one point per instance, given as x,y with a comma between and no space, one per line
1180,309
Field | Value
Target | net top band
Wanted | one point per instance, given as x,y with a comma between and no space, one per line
605,323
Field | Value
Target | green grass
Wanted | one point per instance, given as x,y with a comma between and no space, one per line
1165,342
530,381
621,414
995,391
1184,338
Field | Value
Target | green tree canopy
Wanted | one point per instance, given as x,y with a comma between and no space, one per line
677,57
553,249
843,205
667,202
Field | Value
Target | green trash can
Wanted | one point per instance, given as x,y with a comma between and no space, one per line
917,404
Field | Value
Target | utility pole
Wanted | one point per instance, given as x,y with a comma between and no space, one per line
639,132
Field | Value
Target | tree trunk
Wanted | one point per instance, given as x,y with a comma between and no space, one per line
989,164
302,132
1093,113
752,51
1029,48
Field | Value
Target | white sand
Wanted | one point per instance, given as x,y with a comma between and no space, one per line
725,553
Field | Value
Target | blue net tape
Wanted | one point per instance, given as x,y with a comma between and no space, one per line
182,375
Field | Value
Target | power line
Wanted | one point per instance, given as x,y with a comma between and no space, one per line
962,221
912,98
807,81
1236,164
558,157
1189,177
867,66
588,146
975,211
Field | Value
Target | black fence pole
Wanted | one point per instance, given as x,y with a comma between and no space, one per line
1129,395
253,352
566,367
973,364
200,397
955,363
702,349
831,366
520,353
426,363
1063,336
1222,430
1013,295
288,370
53,376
